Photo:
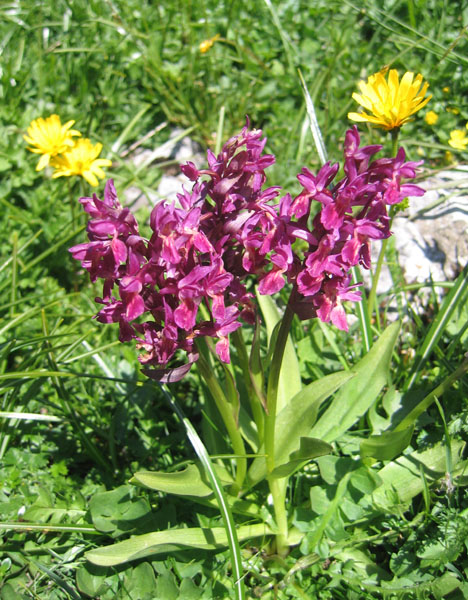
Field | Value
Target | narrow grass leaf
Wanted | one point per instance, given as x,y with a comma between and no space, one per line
362,310
28,416
413,415
128,129
229,525
314,126
438,325
57,579
282,33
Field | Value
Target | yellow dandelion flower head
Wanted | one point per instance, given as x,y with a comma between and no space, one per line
431,117
390,103
82,159
208,44
49,138
458,139
446,89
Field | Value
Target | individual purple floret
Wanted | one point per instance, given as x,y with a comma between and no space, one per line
194,276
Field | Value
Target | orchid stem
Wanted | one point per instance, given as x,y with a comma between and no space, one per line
225,410
277,487
255,402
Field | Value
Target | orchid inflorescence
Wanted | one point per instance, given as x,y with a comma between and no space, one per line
195,275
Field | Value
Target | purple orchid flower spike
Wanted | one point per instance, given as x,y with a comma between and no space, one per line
193,277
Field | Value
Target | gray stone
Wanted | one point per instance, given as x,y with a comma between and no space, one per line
178,149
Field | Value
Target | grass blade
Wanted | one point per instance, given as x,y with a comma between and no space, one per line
314,126
229,524
438,325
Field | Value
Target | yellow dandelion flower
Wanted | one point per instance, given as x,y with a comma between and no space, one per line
458,139
446,89
82,160
207,44
390,102
49,138
431,117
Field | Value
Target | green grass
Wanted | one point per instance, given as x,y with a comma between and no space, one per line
122,69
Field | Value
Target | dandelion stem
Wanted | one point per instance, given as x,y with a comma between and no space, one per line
383,249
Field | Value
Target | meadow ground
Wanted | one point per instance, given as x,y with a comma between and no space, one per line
384,513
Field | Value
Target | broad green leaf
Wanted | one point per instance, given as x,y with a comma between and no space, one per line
189,482
142,582
170,540
116,512
363,565
309,448
188,590
8,593
387,445
391,404
331,511
357,396
297,419
290,377
166,587
248,429
402,479
334,468
91,580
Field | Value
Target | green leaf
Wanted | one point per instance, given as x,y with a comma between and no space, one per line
189,482
170,540
116,512
355,398
166,587
142,583
297,419
91,580
188,590
387,445
290,377
8,593
309,448
402,479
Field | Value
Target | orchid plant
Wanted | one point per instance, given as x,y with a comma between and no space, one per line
200,290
